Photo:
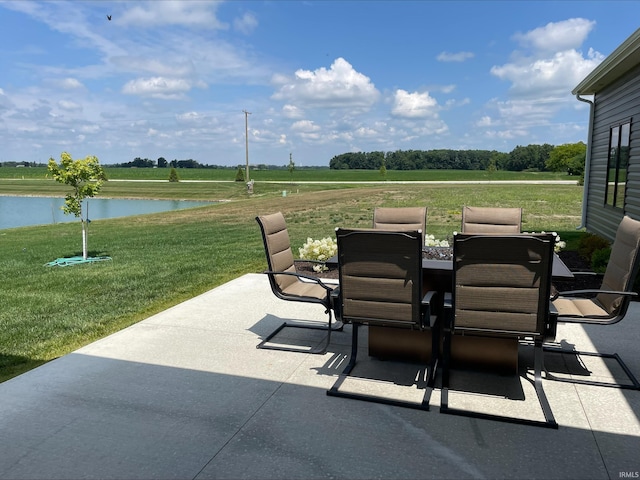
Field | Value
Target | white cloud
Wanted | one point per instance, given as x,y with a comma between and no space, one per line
196,13
157,87
189,117
338,87
557,36
70,84
246,24
554,66
291,111
305,126
414,105
454,57
554,75
68,105
485,121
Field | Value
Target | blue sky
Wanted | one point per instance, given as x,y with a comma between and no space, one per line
319,78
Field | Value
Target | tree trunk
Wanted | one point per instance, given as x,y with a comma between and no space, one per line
84,239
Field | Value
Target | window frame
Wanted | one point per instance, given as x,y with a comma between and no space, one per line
617,165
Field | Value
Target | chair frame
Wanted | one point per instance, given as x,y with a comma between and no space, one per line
400,219
327,302
427,321
449,329
491,228
616,316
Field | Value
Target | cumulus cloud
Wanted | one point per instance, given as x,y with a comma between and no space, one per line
557,36
454,57
414,105
555,75
554,66
340,86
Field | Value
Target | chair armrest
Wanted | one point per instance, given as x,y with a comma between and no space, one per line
320,262
302,276
447,304
427,301
447,301
593,274
578,293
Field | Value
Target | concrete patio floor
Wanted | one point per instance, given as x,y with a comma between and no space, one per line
185,394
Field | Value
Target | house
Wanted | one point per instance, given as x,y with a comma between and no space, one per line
612,170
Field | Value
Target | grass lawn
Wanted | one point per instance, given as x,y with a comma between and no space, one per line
159,260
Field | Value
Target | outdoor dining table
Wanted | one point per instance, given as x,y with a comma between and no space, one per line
392,343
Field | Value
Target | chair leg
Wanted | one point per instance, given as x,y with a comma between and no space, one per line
334,391
634,385
319,350
549,421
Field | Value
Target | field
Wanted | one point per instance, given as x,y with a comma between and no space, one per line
162,259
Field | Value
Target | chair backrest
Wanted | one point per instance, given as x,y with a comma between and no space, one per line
277,247
502,283
622,267
499,220
400,218
380,276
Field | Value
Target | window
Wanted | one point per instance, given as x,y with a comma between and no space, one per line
619,140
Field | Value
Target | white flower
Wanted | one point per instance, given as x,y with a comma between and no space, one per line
318,249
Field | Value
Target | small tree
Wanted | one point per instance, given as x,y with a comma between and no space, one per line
85,176
173,175
291,167
240,174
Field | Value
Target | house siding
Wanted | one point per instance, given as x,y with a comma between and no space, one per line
615,104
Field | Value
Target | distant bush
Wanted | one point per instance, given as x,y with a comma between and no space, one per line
173,175
588,244
240,175
600,259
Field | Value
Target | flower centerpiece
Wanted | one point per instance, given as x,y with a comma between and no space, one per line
319,251
559,245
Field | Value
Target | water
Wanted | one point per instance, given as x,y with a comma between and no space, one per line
27,211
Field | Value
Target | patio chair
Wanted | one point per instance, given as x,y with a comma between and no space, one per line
381,284
287,284
400,219
501,288
607,305
505,221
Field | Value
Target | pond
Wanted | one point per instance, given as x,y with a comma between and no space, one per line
27,211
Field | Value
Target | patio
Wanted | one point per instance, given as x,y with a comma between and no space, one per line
185,394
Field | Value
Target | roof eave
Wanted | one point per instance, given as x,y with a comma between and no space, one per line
623,58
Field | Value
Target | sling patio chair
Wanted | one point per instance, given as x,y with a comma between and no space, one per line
287,284
499,220
607,305
381,284
400,219
501,288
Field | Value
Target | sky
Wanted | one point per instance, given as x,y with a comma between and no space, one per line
299,80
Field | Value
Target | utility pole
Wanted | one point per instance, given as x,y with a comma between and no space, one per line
246,142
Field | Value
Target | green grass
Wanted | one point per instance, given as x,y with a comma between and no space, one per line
162,259
299,175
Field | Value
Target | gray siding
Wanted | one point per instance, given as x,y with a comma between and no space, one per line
616,104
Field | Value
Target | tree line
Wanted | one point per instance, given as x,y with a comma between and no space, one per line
568,157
